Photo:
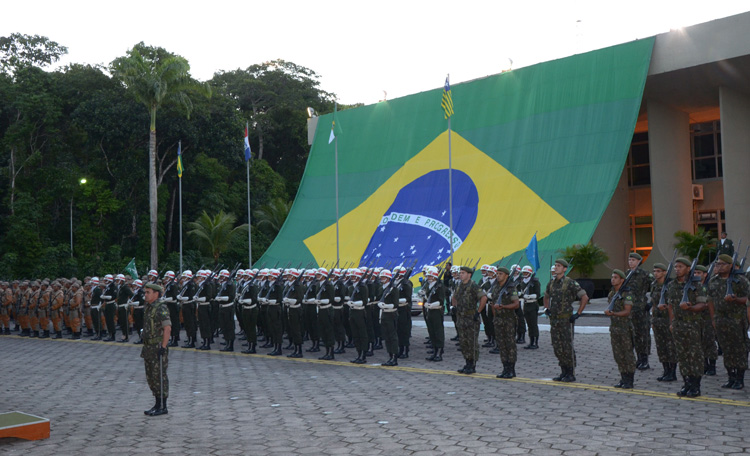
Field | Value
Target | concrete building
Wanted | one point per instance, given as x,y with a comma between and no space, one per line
690,155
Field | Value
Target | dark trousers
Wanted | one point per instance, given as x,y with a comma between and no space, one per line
226,320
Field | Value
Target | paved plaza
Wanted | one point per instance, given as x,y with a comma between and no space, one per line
228,403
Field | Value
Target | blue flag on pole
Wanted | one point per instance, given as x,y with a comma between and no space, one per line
248,153
532,253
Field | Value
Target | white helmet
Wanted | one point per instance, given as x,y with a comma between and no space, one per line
385,273
527,270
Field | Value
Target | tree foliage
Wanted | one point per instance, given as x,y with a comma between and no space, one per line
215,234
689,244
584,258
81,121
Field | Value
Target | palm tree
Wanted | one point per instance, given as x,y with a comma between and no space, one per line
215,234
584,257
271,216
689,244
154,77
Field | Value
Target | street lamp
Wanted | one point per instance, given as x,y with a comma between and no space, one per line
81,181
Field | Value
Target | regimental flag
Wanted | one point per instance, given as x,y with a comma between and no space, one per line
519,148
248,152
335,128
532,253
131,270
447,101
180,169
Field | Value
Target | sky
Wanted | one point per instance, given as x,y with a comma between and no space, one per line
362,51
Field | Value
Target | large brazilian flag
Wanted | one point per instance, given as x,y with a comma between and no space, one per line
535,150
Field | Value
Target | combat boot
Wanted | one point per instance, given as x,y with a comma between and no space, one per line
162,409
229,347
672,373
250,348
45,334
463,369
496,350
328,356
471,367
189,343
76,335
313,348
291,355
739,379
629,380
405,354
359,357
369,351
205,346
400,350
490,342
511,370
89,332
35,334
664,374
378,344
434,355
531,344
438,355
340,348
152,409
621,383
350,344
290,345
390,361
643,362
97,337
7,331
535,343
685,386
276,350
505,372
695,387
172,342
559,378
710,367
58,335
569,375
731,373
521,338
454,339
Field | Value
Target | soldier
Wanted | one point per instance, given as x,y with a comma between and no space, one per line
6,308
109,296
274,299
56,308
248,298
43,309
503,297
137,302
74,309
357,301
433,303
88,289
621,329
388,305
33,303
186,299
516,280
726,246
530,291
309,311
405,291
639,285
660,320
324,301
263,307
486,283
708,333
727,308
339,321
293,296
454,282
225,298
124,293
465,300
170,298
686,322
155,351
202,298
561,292
96,307
23,308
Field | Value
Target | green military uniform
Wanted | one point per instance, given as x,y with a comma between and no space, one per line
155,319
686,329
638,286
561,294
505,321
621,336
662,335
730,319
466,297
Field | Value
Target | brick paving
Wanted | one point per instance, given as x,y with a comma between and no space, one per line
223,404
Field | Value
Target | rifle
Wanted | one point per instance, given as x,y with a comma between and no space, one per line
618,294
667,279
732,277
689,285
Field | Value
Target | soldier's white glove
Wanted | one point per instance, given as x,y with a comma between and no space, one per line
184,298
106,297
291,301
201,299
529,297
222,298
246,301
402,300
263,300
323,301
357,303
337,299
272,301
489,295
316,301
168,299
285,300
347,298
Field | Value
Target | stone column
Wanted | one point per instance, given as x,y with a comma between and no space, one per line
671,178
734,108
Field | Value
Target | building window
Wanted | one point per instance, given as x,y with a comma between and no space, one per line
642,234
639,170
706,150
711,221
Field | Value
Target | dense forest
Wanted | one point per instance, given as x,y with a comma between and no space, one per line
77,146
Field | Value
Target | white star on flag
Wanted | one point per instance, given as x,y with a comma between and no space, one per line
395,239
378,255
444,212
429,237
382,229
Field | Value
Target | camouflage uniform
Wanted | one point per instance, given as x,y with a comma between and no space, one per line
155,318
561,294
730,320
504,321
686,328
621,333
467,296
638,286
662,335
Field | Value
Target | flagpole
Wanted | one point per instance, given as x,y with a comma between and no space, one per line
450,182
336,180
179,147
249,227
